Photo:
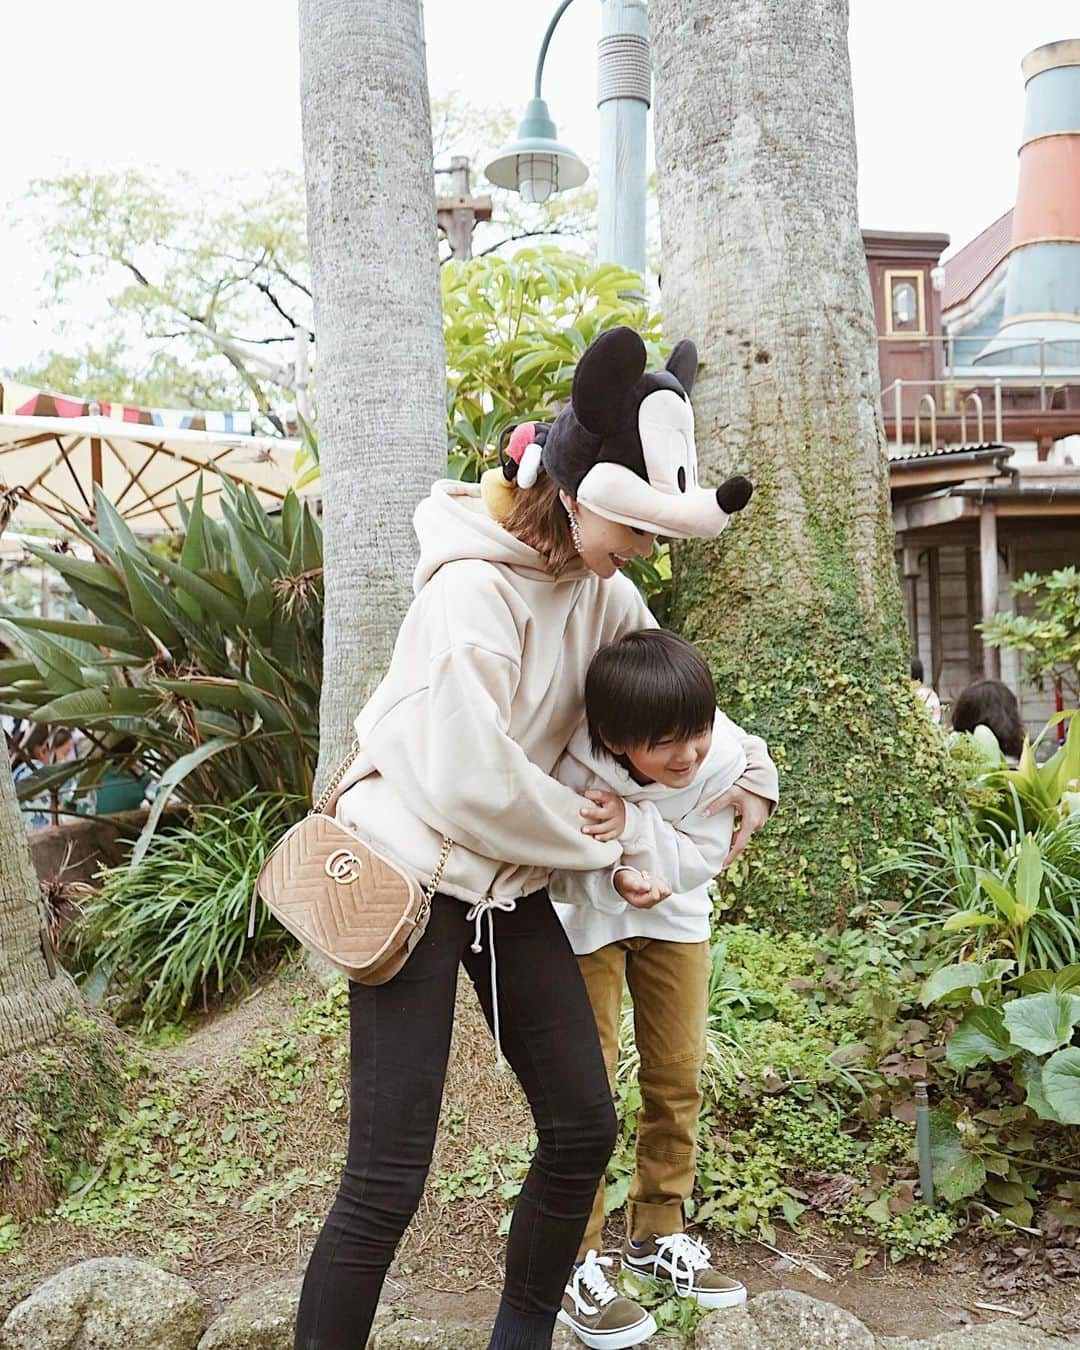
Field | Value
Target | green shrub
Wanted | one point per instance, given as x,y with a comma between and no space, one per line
173,929
880,774
1050,638
203,669
515,329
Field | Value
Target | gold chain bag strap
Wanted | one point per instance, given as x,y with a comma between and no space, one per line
343,900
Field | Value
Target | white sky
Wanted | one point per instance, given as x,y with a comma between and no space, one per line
210,86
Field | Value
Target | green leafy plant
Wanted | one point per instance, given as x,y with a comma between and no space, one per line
1050,638
157,937
514,331
202,669
1036,794
1033,1032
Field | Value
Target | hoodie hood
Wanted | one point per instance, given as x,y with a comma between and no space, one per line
453,523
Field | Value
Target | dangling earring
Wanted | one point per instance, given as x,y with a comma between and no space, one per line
575,528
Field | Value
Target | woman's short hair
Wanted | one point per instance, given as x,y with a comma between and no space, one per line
645,688
991,704
918,672
538,518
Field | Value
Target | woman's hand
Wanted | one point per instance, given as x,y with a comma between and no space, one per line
607,815
640,889
752,812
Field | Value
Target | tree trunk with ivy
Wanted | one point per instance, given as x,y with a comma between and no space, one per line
798,604
35,991
375,278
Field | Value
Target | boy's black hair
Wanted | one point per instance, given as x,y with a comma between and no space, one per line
648,686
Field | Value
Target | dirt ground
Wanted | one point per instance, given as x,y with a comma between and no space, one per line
448,1266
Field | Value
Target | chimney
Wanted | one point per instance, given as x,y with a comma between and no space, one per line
1042,288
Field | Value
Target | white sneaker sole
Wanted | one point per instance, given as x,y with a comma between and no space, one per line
719,1298
611,1340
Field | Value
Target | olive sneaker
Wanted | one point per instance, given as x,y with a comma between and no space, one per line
597,1314
685,1263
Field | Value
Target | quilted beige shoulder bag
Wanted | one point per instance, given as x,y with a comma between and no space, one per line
343,900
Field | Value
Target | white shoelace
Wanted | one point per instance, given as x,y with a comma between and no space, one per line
683,1255
593,1278
476,915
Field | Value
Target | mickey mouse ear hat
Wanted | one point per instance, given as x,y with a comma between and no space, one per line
624,445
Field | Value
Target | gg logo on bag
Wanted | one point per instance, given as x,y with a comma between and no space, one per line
343,866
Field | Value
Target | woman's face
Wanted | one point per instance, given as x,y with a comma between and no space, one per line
605,546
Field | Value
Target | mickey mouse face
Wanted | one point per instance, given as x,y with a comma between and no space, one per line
666,429
625,445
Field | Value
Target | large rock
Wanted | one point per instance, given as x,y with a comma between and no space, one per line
408,1333
265,1319
112,1303
783,1319
786,1318
729,1329
997,1336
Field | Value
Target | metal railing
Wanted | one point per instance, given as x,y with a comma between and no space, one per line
974,344
953,389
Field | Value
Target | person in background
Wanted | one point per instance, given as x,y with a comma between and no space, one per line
924,693
991,704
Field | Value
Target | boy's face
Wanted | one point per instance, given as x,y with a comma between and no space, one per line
673,763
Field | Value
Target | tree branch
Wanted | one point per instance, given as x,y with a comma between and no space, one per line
525,234
262,286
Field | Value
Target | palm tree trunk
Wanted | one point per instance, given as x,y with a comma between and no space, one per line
375,277
798,605
35,991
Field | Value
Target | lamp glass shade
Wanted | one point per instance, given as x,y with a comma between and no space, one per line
538,176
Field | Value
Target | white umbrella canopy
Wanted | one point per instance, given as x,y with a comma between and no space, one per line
55,462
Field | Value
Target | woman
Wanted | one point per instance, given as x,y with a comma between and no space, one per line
483,692
989,703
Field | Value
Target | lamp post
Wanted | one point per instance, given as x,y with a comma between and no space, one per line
537,165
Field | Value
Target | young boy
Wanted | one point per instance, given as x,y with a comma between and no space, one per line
654,753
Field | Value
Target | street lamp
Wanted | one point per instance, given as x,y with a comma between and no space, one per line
536,164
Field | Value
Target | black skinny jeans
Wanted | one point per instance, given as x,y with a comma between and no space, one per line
400,1041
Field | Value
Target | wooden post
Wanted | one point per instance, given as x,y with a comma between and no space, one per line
458,214
937,654
910,567
95,472
988,577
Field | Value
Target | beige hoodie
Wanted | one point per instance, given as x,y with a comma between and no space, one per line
483,693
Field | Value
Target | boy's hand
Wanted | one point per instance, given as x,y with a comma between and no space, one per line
606,817
640,889
752,812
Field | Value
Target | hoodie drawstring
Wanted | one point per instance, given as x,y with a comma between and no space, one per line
476,914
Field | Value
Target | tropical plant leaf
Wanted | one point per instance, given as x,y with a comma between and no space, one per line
170,780
951,981
118,639
1061,1084
981,1035
1028,1073
1029,875
1041,1023
958,1173
54,662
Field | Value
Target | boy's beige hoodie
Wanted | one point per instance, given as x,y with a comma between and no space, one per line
484,690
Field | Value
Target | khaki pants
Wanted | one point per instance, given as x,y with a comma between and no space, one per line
669,985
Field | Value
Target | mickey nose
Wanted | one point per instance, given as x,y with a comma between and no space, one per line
734,494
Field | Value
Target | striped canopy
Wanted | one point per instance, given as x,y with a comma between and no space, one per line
54,462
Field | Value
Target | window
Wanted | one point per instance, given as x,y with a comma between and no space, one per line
904,305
